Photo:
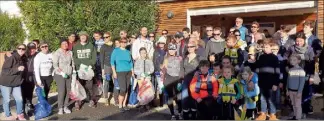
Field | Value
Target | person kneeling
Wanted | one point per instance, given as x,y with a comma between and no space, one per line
204,89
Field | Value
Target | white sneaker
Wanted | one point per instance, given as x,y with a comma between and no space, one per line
67,110
60,112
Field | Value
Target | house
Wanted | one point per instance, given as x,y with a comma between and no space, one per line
196,14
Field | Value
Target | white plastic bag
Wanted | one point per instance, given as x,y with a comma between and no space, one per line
85,72
77,91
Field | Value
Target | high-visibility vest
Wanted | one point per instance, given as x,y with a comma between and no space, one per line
227,91
232,52
209,85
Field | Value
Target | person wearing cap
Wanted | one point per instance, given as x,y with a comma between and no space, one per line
142,41
216,44
122,69
29,83
251,62
158,57
63,68
43,68
172,68
181,45
85,53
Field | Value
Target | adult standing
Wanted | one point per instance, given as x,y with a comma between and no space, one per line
209,33
72,40
122,68
43,68
142,41
216,44
63,68
239,25
253,38
189,66
181,44
85,53
11,79
29,83
165,32
285,40
308,64
200,45
105,55
312,40
152,37
186,34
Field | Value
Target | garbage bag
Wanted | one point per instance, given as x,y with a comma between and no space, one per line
77,91
133,95
42,108
146,91
98,88
85,72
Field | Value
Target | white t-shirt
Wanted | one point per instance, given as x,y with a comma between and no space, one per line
43,65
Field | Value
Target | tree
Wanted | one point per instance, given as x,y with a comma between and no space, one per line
50,20
11,32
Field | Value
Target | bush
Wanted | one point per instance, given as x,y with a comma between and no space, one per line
52,20
11,32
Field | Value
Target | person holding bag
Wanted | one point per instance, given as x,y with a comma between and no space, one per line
63,67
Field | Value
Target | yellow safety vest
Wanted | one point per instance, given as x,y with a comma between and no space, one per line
227,91
233,54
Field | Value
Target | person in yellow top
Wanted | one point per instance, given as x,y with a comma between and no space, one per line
229,93
233,50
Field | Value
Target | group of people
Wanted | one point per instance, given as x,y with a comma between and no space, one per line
210,78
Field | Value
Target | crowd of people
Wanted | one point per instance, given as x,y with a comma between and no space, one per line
248,73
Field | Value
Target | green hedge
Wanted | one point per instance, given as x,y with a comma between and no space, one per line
11,32
51,20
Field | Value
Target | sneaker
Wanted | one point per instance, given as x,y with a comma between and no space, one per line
67,110
10,118
122,110
180,117
262,116
21,117
273,117
173,117
92,104
77,106
293,118
126,108
60,112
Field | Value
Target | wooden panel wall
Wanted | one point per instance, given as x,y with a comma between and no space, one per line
320,29
179,8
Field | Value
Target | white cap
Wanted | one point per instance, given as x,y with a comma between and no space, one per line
161,40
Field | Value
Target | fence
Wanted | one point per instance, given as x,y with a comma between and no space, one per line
2,59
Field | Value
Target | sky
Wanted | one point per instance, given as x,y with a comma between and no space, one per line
10,7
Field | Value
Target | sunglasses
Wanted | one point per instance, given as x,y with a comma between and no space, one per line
231,31
21,48
44,46
254,27
107,37
237,35
191,46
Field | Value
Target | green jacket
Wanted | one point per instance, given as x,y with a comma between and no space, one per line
84,54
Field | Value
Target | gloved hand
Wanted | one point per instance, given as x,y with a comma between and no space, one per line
179,86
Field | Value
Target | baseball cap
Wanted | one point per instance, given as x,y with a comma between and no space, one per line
161,40
83,33
172,47
31,46
178,35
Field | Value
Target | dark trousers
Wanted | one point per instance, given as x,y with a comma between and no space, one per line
250,114
206,109
227,112
172,92
63,88
27,88
307,94
46,81
88,86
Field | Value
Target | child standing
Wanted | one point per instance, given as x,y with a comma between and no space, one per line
268,71
204,89
234,52
251,91
229,93
295,85
172,67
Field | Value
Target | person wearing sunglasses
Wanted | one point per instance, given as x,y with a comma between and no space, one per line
152,37
29,84
63,68
240,43
239,25
105,54
216,44
43,68
85,53
231,31
253,36
122,69
209,33
11,79
165,33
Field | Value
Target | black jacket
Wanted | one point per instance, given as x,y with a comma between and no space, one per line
10,76
105,54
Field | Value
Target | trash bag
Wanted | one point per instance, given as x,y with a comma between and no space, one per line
133,95
146,91
98,88
77,91
42,108
85,72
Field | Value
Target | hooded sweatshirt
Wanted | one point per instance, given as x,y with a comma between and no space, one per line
84,54
63,61
43,65
10,76
215,46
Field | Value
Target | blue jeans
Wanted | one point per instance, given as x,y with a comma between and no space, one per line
16,92
266,98
276,98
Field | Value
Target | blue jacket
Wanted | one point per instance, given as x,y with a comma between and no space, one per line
244,31
315,43
121,60
251,96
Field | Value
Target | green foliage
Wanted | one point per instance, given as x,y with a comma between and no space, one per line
50,20
11,32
